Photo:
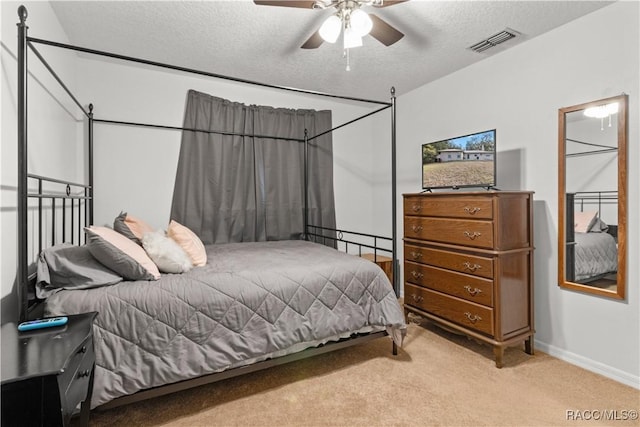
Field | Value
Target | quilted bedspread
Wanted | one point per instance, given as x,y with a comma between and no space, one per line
250,302
596,254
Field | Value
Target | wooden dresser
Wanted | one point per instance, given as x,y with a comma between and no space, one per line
468,264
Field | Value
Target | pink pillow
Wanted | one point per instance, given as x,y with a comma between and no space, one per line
188,241
120,254
131,227
583,221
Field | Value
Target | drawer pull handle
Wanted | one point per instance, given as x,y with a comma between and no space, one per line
416,274
472,211
416,255
473,318
417,298
416,208
84,373
473,235
473,292
471,267
416,228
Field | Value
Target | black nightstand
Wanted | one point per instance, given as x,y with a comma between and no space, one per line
46,373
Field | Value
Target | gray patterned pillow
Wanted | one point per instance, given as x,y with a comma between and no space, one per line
120,254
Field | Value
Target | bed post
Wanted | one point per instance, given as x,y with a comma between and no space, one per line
89,218
394,231
306,184
22,274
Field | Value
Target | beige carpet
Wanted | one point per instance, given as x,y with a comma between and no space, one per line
438,379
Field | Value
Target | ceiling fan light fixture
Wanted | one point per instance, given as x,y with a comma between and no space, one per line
351,38
330,29
360,22
321,4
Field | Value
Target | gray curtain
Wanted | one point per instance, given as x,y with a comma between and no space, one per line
234,188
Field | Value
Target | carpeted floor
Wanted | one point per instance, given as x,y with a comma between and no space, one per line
438,379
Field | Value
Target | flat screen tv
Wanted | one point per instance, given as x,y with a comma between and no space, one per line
463,161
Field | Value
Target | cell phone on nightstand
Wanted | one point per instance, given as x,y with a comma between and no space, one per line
49,322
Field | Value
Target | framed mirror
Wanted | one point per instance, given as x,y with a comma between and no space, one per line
592,197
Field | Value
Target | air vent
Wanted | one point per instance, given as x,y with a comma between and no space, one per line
494,40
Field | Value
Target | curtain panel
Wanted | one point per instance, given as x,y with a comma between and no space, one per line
241,184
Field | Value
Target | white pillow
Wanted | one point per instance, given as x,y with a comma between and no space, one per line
166,253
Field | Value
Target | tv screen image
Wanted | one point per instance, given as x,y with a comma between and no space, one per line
464,161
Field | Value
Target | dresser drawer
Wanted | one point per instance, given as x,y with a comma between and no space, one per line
456,231
471,264
459,311
464,286
479,208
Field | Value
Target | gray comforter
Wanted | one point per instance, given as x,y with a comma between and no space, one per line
596,254
250,302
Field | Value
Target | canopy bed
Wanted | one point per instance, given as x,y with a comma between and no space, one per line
252,305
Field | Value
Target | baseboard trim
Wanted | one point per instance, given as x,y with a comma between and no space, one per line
590,365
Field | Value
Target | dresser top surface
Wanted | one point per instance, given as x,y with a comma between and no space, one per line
467,193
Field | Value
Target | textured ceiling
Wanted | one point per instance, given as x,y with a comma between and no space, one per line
262,43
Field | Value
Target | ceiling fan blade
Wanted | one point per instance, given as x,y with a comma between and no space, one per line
305,4
386,3
313,42
383,32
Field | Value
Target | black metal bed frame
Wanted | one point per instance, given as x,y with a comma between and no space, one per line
600,149
81,199
582,199
337,236
41,194
599,198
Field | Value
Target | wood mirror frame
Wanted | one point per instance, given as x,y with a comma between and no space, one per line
567,201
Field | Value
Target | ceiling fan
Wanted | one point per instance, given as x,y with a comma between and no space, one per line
349,18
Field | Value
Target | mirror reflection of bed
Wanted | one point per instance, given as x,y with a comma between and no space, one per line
592,243
592,196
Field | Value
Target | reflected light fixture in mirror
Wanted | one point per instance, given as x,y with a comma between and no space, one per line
592,197
601,112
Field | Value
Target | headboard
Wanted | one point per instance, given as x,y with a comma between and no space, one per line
57,212
580,201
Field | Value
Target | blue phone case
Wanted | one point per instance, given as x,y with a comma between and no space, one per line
42,323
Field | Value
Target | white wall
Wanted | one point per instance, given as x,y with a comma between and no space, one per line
519,92
53,138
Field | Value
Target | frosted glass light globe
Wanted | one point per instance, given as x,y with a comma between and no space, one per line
330,29
361,23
